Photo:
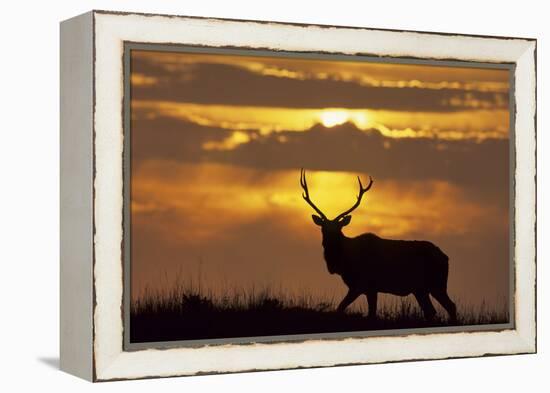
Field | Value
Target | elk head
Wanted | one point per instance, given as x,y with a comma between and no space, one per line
333,227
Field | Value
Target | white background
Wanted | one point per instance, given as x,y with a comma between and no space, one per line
29,197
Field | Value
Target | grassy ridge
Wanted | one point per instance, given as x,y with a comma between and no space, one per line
186,313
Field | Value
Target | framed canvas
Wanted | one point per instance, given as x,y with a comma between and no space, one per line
246,195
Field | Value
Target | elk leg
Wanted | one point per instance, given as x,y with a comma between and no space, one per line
347,300
426,305
372,299
443,298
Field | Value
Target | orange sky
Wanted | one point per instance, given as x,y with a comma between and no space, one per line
218,141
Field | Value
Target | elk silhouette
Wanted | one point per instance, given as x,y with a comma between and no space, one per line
369,264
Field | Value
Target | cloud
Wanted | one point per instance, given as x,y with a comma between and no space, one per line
224,80
142,80
477,125
211,198
167,138
482,165
365,73
344,148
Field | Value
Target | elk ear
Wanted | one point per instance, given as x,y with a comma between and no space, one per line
317,220
345,221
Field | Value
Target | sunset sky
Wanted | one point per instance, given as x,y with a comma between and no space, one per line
217,143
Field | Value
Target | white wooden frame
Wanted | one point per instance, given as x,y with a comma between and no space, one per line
92,195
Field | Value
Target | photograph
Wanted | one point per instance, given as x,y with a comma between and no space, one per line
278,196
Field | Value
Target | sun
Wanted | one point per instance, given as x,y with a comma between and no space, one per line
333,117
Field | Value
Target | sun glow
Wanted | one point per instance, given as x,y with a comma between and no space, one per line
333,117
459,125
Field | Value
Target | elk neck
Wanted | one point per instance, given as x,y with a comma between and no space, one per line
333,240
333,245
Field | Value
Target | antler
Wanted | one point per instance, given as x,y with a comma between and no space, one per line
305,195
361,192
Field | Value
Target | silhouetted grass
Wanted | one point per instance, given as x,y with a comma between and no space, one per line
186,313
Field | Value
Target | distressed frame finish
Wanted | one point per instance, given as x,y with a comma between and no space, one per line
92,247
